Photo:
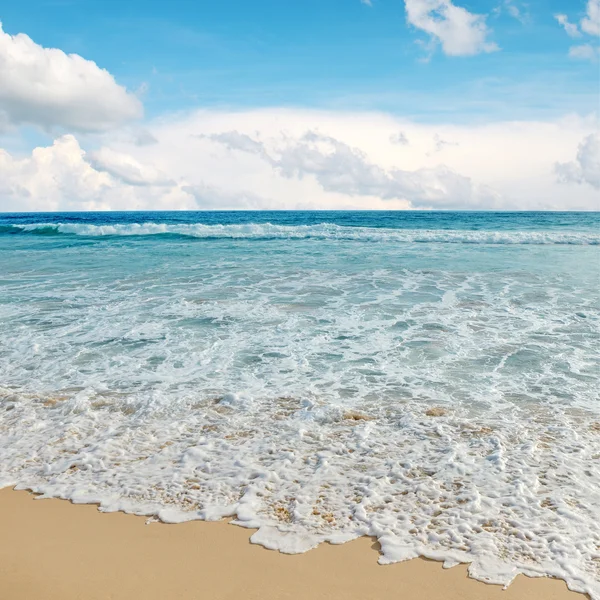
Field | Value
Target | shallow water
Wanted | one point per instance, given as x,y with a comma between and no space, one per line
427,378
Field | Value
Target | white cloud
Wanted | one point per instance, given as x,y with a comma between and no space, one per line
515,10
586,167
267,152
306,159
584,52
340,168
127,169
59,177
234,140
48,88
591,22
460,32
63,177
571,28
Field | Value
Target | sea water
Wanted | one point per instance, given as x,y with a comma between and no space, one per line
431,379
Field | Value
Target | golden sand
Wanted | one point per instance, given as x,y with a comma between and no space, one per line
55,550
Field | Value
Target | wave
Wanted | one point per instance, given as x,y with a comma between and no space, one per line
322,231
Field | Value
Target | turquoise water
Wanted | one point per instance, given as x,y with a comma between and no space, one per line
428,378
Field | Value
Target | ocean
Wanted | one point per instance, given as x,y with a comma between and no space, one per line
428,378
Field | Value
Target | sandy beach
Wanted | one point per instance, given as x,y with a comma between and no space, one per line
52,549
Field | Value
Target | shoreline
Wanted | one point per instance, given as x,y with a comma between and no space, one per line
54,549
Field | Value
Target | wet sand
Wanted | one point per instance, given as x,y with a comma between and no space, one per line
52,549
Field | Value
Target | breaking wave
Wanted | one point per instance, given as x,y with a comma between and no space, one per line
323,231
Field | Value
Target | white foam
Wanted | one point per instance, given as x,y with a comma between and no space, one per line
430,486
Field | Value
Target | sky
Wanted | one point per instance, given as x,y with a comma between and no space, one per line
300,104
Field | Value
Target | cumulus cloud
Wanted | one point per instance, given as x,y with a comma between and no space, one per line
63,177
306,159
591,22
51,89
350,161
340,168
584,52
60,177
585,169
460,32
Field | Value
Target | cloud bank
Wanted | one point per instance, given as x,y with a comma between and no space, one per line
340,168
306,159
51,89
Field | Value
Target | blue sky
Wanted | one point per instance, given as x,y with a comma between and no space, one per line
319,53
313,104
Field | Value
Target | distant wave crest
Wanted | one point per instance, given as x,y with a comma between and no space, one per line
323,231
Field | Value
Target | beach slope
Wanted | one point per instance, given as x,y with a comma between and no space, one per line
52,549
